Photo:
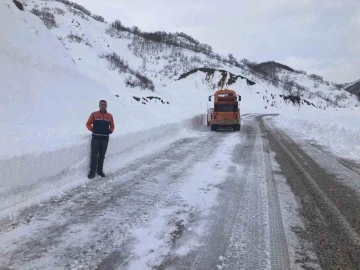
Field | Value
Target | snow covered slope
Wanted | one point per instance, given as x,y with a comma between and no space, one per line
44,94
116,55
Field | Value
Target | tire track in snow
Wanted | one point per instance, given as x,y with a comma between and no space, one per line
279,255
249,240
238,237
218,239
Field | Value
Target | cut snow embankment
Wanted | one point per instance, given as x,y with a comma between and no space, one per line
335,129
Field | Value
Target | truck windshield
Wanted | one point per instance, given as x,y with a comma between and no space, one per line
226,108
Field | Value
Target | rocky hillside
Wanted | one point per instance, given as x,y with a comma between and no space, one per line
353,88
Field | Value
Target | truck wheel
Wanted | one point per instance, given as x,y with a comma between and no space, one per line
236,128
213,127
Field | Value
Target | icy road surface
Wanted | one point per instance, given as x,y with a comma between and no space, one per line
252,199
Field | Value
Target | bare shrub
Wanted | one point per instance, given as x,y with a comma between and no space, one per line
316,78
75,38
311,95
320,94
87,42
116,62
299,90
78,13
18,5
98,18
138,80
135,79
288,85
46,16
195,59
76,6
118,25
301,72
59,11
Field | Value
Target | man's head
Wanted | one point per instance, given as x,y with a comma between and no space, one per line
102,105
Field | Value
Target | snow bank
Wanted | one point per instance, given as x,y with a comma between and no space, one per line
45,98
336,129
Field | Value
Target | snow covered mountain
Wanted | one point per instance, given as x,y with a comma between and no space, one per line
127,59
58,60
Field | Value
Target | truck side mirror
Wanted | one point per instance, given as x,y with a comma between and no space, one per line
209,98
239,98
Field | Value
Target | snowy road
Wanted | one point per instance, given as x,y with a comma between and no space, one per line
328,190
253,199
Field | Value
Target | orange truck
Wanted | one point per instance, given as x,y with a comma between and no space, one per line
225,112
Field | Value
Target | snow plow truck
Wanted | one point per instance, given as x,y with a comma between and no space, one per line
225,112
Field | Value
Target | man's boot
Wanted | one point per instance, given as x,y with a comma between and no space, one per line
93,164
100,166
102,152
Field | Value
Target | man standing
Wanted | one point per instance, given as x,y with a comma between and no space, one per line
101,124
